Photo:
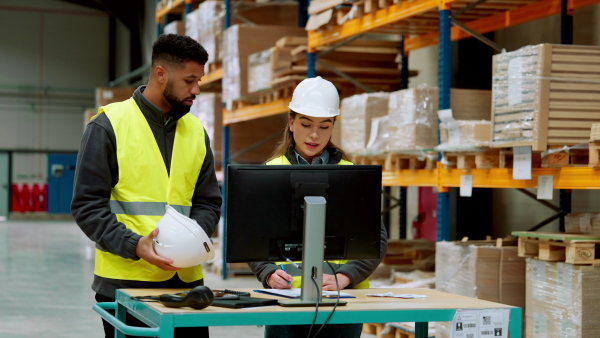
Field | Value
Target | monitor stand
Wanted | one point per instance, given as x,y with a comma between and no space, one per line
312,256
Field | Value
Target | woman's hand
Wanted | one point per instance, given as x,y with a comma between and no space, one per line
329,281
280,280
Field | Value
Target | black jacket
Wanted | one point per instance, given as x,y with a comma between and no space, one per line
97,172
356,270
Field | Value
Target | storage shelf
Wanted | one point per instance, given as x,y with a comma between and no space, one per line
207,79
256,111
564,178
419,18
177,7
498,21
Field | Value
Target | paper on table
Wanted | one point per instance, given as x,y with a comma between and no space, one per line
391,294
295,293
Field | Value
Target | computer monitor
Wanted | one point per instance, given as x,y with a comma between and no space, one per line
266,212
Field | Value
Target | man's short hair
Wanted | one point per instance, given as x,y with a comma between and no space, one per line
174,49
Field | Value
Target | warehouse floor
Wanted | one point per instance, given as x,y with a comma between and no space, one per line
46,269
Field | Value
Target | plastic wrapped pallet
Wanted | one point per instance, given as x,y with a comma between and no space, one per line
209,109
413,121
357,112
239,42
259,71
545,95
562,300
486,272
465,134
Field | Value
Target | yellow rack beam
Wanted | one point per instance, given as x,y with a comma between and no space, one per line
177,6
498,21
405,178
256,111
564,178
371,21
215,75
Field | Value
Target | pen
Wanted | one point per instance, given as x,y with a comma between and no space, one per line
282,268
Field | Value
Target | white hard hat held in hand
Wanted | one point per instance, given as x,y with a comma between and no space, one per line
316,97
181,239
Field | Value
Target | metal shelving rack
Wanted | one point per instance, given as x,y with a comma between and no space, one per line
470,18
429,22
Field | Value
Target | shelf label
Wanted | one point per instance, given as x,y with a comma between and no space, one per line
466,185
480,323
522,163
545,187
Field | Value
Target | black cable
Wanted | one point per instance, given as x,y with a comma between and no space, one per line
314,280
337,285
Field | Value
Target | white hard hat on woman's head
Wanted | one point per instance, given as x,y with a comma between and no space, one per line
316,97
181,239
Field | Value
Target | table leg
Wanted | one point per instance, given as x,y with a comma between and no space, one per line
120,314
421,329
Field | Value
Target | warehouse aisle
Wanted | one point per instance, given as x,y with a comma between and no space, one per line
46,270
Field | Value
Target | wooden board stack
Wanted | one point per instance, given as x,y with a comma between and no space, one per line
545,95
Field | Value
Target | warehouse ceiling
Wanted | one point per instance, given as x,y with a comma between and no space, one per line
130,13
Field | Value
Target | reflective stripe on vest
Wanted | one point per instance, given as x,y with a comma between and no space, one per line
145,187
295,272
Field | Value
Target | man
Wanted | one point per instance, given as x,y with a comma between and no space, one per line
136,157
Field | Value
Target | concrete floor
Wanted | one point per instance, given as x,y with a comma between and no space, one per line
46,269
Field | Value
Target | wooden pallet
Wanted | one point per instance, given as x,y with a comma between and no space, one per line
395,161
567,158
483,159
560,247
369,159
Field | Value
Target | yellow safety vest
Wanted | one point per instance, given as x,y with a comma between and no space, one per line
145,187
295,272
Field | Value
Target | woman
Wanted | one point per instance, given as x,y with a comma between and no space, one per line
307,141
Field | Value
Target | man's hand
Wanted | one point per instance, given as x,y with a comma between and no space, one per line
279,280
329,281
145,251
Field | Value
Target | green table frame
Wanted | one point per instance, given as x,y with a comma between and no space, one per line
162,321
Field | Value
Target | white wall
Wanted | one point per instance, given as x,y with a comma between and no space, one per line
53,54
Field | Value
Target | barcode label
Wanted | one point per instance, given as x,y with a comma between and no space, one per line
487,333
470,335
470,325
487,320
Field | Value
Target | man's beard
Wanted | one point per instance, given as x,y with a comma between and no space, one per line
178,109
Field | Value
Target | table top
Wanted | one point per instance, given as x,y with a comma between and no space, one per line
436,300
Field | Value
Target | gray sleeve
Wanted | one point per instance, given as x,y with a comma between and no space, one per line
96,173
359,270
207,199
262,271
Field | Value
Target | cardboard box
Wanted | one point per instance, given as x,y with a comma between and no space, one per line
471,104
239,42
205,24
466,133
545,95
358,112
87,116
107,95
413,120
562,300
209,109
175,27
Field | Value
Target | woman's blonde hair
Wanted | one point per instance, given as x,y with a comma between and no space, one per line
288,139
